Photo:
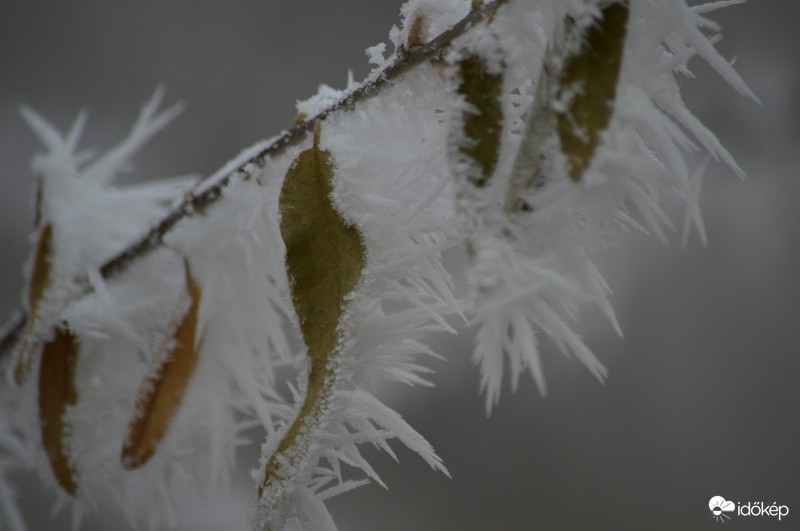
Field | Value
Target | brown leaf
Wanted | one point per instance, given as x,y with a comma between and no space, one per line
38,283
415,35
161,394
56,393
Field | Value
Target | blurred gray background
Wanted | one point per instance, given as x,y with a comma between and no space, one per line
703,388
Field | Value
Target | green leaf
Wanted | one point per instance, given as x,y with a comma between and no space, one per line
588,85
325,256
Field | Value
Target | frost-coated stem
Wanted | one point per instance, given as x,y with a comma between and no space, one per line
204,196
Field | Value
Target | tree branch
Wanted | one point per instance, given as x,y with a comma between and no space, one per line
404,61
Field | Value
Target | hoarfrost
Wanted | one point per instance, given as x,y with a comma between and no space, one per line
530,239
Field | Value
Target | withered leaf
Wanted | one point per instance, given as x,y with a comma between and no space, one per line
414,39
161,394
56,393
588,85
39,281
325,256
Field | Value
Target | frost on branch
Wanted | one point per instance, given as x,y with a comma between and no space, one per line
69,242
422,20
122,382
556,126
590,151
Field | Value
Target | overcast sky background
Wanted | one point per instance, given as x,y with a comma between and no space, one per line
703,390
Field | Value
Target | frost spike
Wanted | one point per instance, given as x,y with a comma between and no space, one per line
39,280
161,395
324,259
592,74
57,393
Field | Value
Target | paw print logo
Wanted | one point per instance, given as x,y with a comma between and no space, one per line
719,506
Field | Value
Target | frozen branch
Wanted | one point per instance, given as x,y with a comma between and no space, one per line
199,201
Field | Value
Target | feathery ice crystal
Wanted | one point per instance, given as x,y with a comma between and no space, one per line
529,132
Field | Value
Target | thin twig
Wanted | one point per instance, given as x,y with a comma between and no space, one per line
198,202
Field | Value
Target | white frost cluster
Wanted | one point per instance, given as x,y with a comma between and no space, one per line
74,192
532,269
122,326
433,17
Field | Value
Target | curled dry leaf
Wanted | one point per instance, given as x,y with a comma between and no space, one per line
39,281
161,394
324,259
588,85
56,394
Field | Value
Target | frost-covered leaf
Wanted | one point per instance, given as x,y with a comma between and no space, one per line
40,276
479,83
324,253
391,186
605,111
163,390
57,393
325,256
84,220
573,102
588,85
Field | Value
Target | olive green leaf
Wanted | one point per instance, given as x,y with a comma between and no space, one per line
588,84
482,117
325,256
573,102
